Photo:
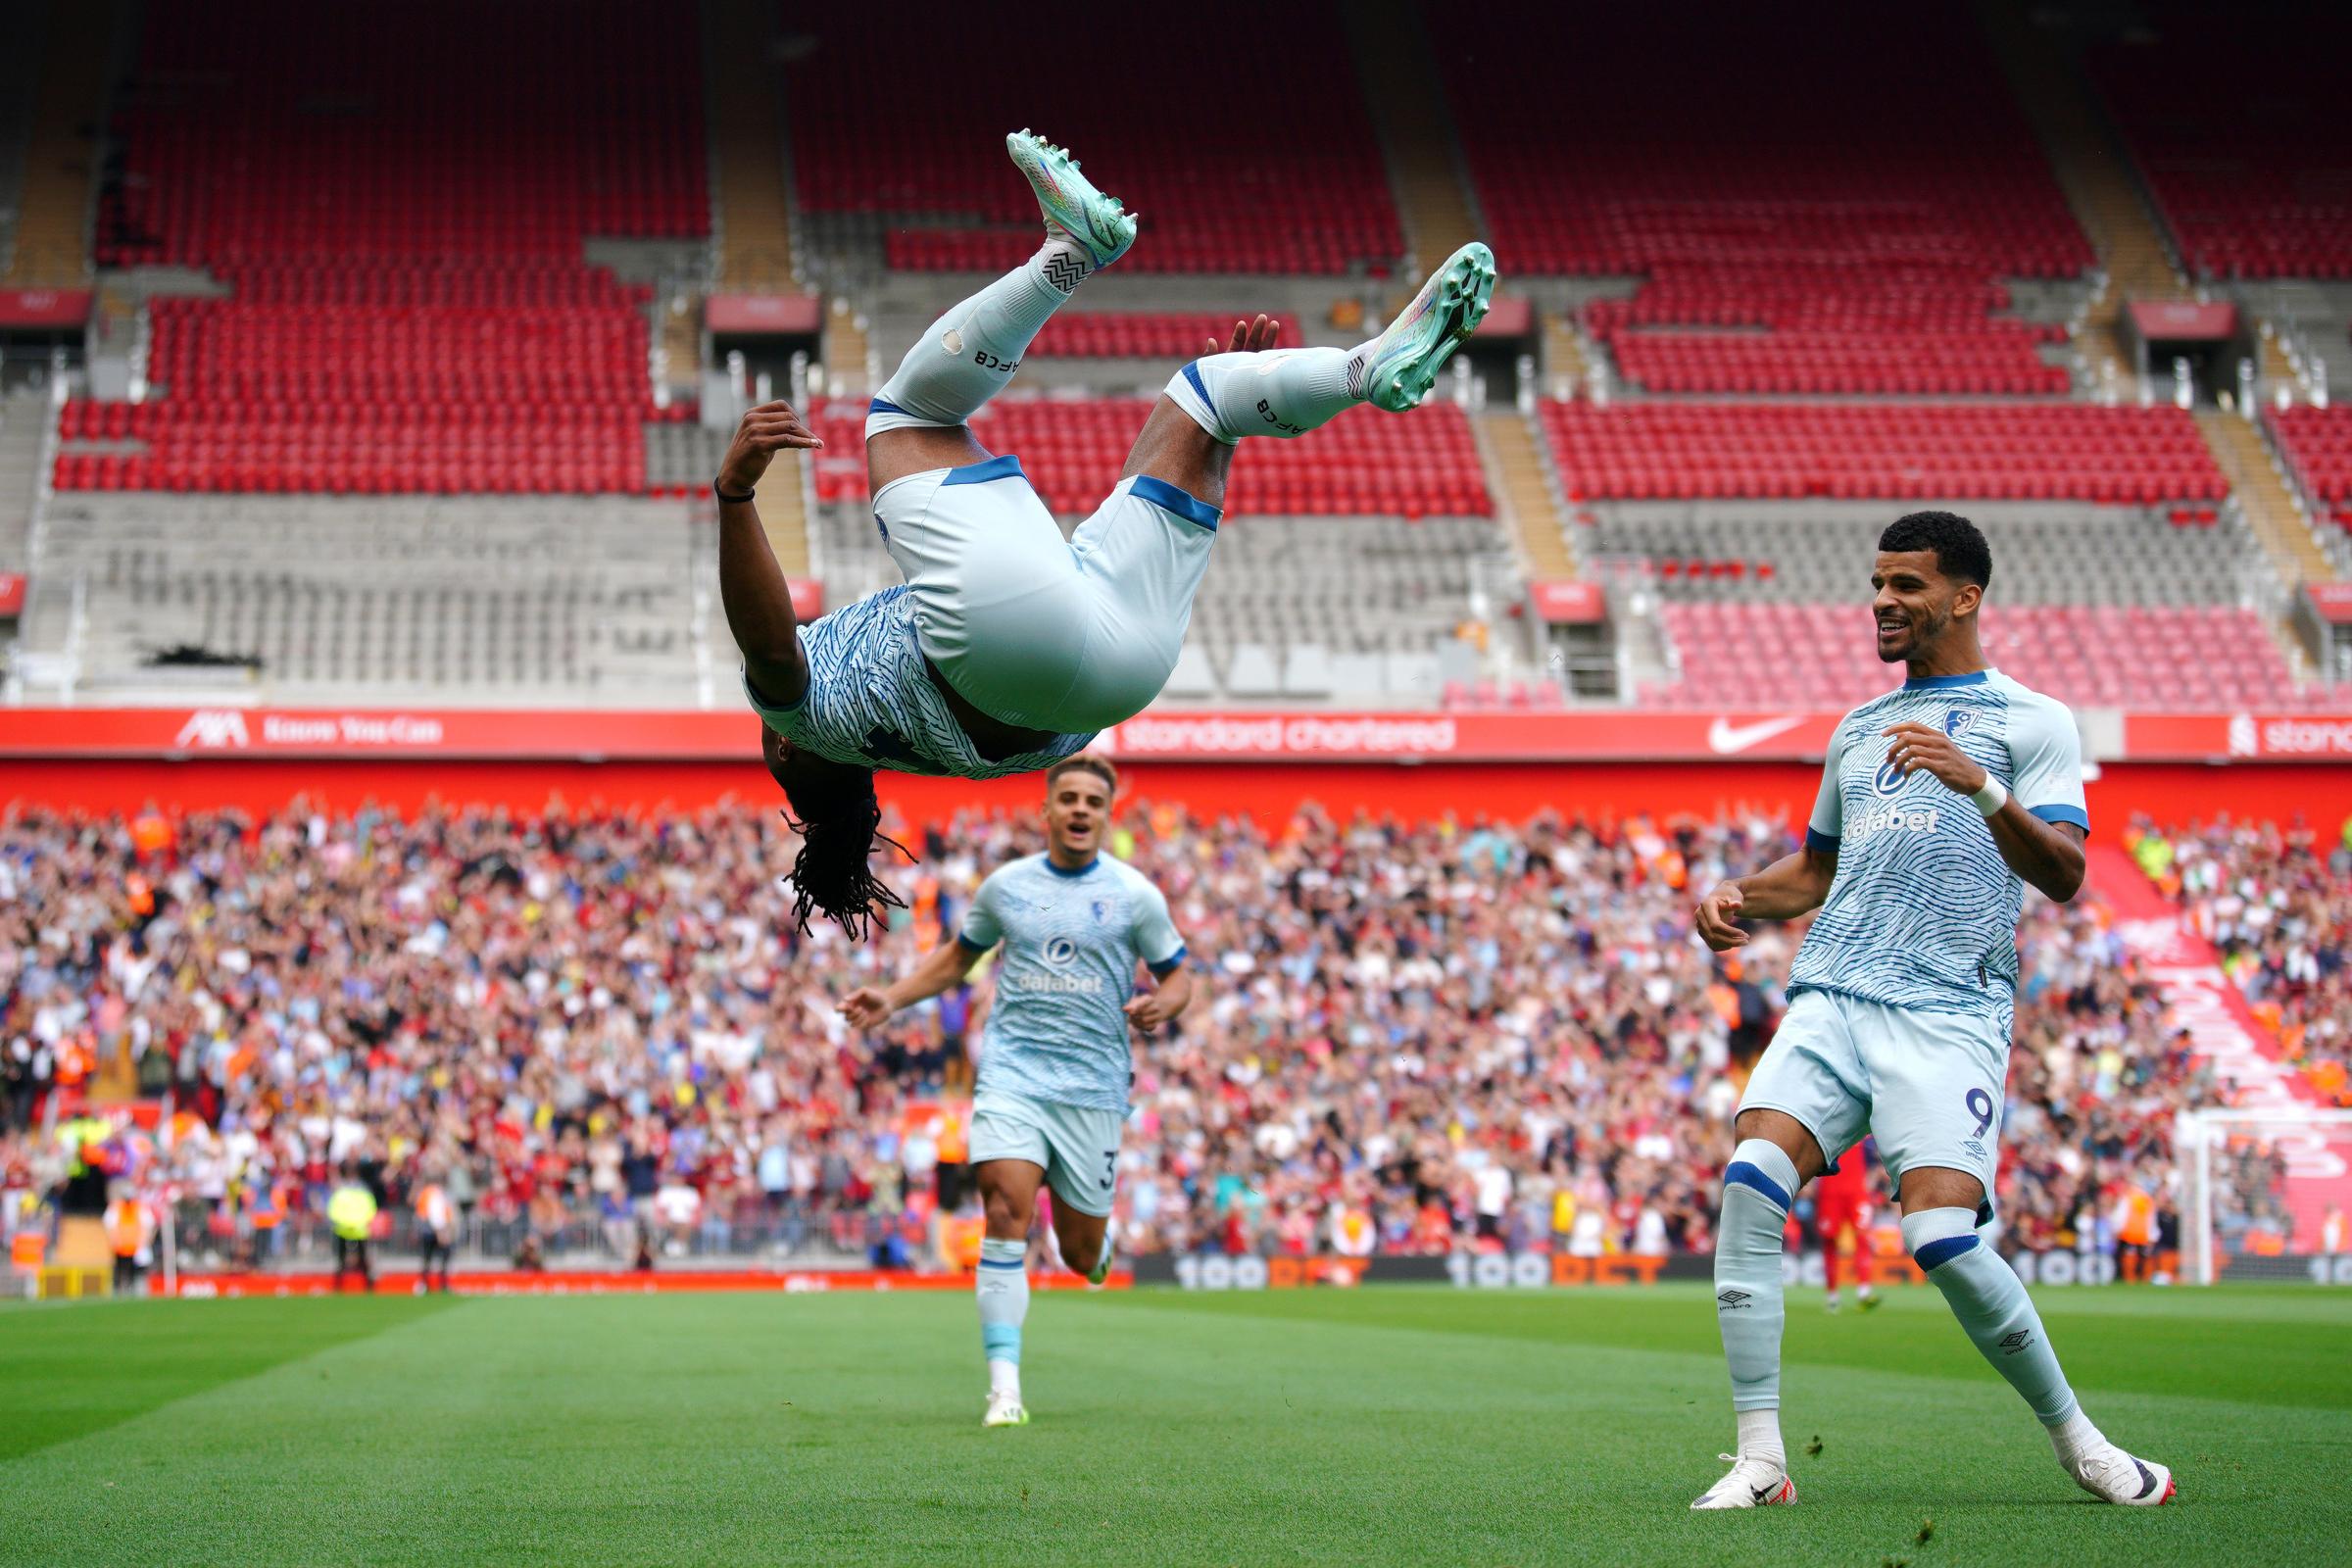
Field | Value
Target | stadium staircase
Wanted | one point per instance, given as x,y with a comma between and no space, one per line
753,230
52,233
1522,491
2098,187
1407,103
1564,358
847,352
2271,507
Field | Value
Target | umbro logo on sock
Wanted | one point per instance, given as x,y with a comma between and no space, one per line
2011,1343
1732,1301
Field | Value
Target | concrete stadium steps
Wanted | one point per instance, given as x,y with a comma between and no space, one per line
2044,553
23,416
1513,455
586,600
751,192
71,41
1406,100
2099,187
2285,535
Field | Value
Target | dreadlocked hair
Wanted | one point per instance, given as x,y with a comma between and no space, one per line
831,875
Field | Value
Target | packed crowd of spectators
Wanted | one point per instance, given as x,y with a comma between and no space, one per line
604,1032
2276,904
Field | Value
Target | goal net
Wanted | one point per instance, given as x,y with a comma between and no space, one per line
2266,1195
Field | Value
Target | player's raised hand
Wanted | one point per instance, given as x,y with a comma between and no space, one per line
1716,913
1248,337
764,432
1922,748
1147,1012
867,1008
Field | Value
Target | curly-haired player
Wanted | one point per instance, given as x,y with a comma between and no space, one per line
1007,648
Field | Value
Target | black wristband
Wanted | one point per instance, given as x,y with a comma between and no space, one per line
723,496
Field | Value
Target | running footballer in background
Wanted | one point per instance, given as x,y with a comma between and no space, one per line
1056,1067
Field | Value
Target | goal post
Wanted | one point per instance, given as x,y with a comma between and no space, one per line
2265,1194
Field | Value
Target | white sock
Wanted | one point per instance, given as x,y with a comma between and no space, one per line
1002,1288
1003,1377
1760,1436
2075,1437
968,356
1280,392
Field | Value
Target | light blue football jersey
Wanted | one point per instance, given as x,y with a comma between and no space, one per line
872,703
1072,940
1923,912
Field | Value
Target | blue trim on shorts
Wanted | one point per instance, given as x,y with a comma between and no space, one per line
2063,813
1192,373
1007,467
1167,965
1748,1175
1937,1253
1168,498
1820,843
882,406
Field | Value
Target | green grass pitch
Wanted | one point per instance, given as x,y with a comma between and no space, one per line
1398,1423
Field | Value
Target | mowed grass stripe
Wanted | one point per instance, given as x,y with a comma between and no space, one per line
2290,1345
774,1428
68,1370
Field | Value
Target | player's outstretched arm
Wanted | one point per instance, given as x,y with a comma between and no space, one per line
751,583
1164,1003
871,1006
1794,885
2047,855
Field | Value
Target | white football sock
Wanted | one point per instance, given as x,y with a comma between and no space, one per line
968,356
1279,392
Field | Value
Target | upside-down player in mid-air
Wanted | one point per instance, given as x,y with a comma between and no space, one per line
1055,1067
1939,801
1007,648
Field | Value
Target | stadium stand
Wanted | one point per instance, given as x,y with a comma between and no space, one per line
2317,444
2194,658
922,182
431,326
1964,451
464,601
1798,224
1433,1036
2246,168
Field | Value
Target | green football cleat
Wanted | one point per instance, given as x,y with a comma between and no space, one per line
1406,359
1102,1269
1072,205
1005,1410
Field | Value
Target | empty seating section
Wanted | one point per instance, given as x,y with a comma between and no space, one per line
1771,175
2317,443
1419,464
400,226
2063,452
2236,122
1143,334
1239,135
1763,656
2044,553
470,600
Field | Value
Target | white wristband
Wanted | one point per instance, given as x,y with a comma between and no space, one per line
1992,796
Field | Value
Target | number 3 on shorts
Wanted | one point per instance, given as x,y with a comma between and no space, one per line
1111,1168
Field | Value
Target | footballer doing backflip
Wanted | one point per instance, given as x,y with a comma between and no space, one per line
1055,1067
1938,803
1007,648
